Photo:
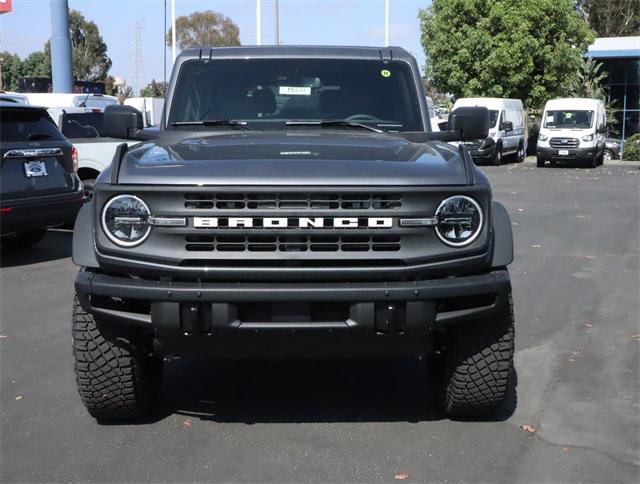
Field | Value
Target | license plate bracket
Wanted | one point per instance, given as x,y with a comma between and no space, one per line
35,168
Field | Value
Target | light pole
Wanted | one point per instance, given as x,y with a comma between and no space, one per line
277,23
386,23
173,29
258,22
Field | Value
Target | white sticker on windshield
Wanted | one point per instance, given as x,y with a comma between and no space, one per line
295,91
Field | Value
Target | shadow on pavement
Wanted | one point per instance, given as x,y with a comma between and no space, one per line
294,391
55,245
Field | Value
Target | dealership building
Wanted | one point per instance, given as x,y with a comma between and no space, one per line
620,57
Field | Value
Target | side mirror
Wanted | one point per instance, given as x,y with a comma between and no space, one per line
506,126
122,121
470,123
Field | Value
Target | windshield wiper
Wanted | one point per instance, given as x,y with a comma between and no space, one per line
331,123
214,122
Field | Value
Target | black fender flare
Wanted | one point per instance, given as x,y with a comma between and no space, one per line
502,236
83,247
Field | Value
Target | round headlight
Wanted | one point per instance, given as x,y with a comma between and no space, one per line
125,220
459,220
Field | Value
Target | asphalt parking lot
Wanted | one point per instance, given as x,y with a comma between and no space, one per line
575,279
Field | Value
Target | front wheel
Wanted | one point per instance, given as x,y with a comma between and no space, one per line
497,157
520,154
479,360
118,377
607,155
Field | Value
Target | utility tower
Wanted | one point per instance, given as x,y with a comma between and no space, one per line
137,57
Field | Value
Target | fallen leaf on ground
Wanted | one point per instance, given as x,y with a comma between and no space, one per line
401,476
528,428
588,324
636,337
590,257
567,449
535,246
521,210
571,359
187,423
19,397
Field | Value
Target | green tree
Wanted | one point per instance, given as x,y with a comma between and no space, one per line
88,49
208,28
612,18
154,89
504,48
36,65
11,70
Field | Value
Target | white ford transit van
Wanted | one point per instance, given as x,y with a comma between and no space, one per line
572,130
507,129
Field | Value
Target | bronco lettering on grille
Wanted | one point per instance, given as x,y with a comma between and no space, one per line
294,222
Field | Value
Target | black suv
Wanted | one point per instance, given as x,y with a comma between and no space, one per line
39,187
293,203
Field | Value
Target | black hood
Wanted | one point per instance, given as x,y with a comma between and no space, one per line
303,157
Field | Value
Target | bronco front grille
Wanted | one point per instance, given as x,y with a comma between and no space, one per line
564,142
292,201
292,243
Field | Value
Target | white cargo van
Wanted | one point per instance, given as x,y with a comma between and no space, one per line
507,131
572,130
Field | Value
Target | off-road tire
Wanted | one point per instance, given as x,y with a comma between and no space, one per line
117,376
478,363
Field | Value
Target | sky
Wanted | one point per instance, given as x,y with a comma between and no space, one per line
309,22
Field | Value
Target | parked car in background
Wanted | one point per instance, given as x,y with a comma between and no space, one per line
63,100
84,127
507,132
13,97
612,149
573,130
150,107
39,186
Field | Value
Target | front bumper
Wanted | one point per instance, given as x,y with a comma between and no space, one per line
40,212
483,151
573,154
215,311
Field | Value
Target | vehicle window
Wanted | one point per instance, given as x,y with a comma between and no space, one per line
27,125
82,125
493,117
568,119
272,91
94,102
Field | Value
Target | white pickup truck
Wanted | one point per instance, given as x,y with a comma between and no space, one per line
83,127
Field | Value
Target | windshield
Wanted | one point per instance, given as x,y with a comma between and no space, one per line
268,92
568,119
493,117
82,125
95,101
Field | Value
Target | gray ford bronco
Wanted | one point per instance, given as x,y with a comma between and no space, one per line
293,203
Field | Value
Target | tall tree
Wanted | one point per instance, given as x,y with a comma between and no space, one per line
88,49
208,28
612,18
504,48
